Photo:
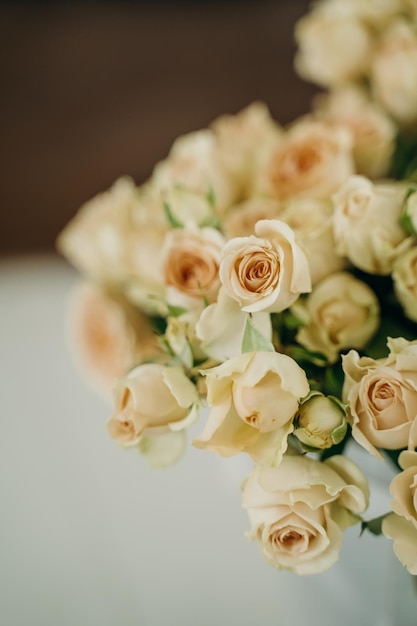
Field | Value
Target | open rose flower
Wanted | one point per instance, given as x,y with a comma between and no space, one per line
152,400
191,260
299,509
382,397
401,525
404,276
341,312
254,397
267,271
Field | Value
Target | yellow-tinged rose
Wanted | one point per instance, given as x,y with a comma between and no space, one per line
401,525
404,275
299,509
382,397
341,312
312,160
152,399
367,225
191,260
321,421
267,271
253,399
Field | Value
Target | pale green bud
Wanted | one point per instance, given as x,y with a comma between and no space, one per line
321,421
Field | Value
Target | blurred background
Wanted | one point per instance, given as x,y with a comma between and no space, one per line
94,90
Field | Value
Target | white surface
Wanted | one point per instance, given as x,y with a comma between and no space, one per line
90,535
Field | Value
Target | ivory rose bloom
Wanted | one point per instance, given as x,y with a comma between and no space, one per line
152,399
334,47
382,397
191,260
401,525
367,227
313,160
341,312
267,271
253,399
299,509
373,132
240,219
405,282
107,335
312,223
394,72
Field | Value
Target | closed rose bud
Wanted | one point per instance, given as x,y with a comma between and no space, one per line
321,421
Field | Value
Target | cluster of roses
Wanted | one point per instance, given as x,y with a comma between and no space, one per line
240,272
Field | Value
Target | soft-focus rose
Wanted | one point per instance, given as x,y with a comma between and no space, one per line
253,399
410,209
243,140
313,160
334,47
107,335
312,223
299,509
152,399
405,282
382,397
401,526
394,72
267,271
240,220
194,163
221,327
341,312
191,260
367,225
372,130
321,421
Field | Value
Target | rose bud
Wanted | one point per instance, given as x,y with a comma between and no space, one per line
321,421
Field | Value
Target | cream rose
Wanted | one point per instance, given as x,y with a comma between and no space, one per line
405,282
334,47
254,397
367,226
152,399
373,132
107,335
313,160
221,327
240,219
312,223
394,72
267,271
299,509
401,525
341,312
191,260
382,397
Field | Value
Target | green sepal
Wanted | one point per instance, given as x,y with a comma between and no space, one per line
254,340
173,221
374,525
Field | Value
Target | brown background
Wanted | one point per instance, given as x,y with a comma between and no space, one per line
92,91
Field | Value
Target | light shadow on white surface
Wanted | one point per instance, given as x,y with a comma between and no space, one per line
90,535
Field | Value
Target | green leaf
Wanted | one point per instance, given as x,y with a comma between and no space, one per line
374,525
254,340
175,311
173,221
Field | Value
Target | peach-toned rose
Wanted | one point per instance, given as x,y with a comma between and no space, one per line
405,282
191,260
152,399
240,219
334,47
221,327
341,312
372,130
267,271
313,160
401,525
299,509
394,72
254,397
367,225
312,222
107,335
382,397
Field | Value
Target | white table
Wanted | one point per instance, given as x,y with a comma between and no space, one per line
91,536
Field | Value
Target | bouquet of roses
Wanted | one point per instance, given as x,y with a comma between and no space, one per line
270,274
